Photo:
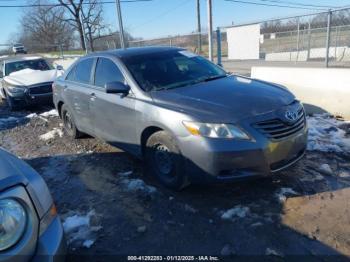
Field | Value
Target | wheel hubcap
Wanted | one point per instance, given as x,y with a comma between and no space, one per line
163,159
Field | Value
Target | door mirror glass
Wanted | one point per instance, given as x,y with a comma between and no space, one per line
117,88
1,74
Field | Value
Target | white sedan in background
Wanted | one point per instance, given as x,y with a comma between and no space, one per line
27,80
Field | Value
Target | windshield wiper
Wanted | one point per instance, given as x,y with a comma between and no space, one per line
214,78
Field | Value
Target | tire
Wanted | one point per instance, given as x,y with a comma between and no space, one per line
69,124
11,103
164,160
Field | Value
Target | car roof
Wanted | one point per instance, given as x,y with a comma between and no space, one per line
20,58
135,51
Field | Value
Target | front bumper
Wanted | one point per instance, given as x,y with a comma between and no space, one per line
51,244
220,160
26,99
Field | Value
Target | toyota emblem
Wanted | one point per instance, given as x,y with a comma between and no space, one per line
291,116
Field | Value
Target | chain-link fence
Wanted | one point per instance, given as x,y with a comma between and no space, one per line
321,39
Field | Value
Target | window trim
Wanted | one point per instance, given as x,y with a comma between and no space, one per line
75,67
96,63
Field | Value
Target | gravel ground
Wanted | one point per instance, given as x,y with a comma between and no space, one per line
109,207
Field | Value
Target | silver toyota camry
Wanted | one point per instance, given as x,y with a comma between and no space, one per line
30,229
189,119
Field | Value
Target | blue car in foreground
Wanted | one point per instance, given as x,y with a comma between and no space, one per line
30,228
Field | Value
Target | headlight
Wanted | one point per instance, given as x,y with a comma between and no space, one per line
13,220
16,89
216,130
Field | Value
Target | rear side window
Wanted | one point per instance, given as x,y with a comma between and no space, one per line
106,72
83,71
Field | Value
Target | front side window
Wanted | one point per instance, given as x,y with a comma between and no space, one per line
83,71
106,72
35,64
71,75
171,69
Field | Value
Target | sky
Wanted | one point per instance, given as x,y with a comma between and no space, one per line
159,18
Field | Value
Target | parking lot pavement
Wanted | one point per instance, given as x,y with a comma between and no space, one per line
109,207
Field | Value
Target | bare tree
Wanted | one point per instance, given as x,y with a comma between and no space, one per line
92,16
88,12
44,29
74,9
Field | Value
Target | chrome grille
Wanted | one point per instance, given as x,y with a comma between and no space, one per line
41,89
277,129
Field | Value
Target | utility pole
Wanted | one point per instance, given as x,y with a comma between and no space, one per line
199,30
120,20
329,20
83,29
210,30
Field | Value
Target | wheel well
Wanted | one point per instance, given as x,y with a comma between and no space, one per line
146,134
59,107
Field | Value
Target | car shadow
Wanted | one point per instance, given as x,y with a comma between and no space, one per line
190,222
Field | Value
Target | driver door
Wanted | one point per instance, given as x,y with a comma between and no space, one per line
113,114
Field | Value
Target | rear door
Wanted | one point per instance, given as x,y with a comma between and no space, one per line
76,92
113,114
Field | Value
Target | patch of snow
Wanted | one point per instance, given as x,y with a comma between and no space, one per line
190,209
326,135
237,211
50,113
88,243
51,134
138,185
344,174
272,252
313,178
326,169
76,221
257,224
79,230
127,173
283,192
32,115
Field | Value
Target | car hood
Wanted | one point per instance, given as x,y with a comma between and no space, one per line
28,77
227,99
14,171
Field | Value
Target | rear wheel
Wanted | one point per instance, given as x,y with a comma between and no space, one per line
164,160
69,124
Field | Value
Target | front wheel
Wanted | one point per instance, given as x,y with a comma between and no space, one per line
69,124
164,160
11,103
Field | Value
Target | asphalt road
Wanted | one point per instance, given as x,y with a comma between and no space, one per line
301,212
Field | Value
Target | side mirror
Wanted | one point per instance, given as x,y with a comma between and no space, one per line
59,67
117,88
1,74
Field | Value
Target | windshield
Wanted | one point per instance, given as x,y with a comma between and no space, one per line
37,64
172,69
